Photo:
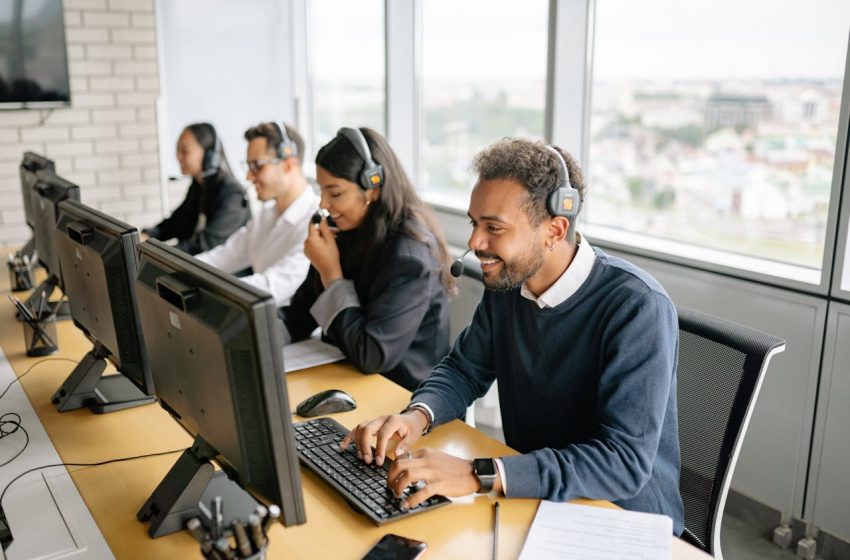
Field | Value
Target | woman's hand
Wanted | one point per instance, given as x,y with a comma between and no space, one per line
320,247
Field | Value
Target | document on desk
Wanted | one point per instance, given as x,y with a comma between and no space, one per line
309,353
562,530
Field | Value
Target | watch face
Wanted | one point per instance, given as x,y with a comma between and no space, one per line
484,467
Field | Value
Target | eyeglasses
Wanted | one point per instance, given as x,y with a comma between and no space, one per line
256,165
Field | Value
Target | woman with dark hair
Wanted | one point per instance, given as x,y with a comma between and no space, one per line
215,205
379,281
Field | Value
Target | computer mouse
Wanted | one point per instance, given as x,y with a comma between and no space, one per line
326,402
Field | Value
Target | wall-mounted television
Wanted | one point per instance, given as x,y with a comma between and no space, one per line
33,58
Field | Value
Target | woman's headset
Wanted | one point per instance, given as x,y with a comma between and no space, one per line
287,147
212,155
565,199
372,174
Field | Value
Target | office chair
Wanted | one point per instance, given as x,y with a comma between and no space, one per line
721,367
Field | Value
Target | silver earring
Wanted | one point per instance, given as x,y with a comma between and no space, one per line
551,247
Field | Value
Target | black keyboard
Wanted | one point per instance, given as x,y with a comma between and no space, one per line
364,486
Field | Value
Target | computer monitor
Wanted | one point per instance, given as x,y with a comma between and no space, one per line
97,255
215,350
30,165
48,191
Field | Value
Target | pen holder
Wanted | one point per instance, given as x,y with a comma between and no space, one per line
20,276
261,555
40,334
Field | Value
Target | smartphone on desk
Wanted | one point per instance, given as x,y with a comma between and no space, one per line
394,547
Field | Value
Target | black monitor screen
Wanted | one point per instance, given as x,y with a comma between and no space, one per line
30,165
97,254
33,59
49,190
215,345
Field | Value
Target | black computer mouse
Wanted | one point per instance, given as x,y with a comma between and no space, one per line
326,402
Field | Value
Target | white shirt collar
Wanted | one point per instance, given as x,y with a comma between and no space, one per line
569,282
307,202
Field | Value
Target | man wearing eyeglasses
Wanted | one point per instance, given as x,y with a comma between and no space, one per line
272,243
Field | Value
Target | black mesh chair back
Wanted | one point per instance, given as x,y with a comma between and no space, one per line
721,367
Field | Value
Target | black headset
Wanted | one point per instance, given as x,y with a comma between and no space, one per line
287,148
372,174
212,155
564,200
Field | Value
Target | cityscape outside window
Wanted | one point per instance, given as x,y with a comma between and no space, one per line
715,131
482,79
347,66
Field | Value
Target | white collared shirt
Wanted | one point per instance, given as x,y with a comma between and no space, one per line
569,282
271,244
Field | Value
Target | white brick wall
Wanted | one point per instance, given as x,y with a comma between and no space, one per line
107,141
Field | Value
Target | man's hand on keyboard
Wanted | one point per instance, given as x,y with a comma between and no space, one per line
405,428
442,474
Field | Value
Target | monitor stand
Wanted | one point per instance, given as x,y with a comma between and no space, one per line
188,489
43,292
86,386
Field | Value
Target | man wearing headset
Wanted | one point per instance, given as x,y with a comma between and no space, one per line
272,243
583,344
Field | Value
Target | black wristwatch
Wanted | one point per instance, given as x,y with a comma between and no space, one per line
485,471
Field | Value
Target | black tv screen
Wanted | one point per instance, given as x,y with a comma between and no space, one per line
33,58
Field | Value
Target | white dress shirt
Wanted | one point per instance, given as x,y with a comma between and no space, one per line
272,245
569,282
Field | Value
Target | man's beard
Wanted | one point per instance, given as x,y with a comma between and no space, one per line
513,274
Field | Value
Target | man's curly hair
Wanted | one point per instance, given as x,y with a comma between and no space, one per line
535,167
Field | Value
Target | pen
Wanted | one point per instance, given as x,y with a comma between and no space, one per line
242,538
194,526
261,512
256,532
218,515
274,513
495,530
40,306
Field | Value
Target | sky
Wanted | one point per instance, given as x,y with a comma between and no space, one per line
723,39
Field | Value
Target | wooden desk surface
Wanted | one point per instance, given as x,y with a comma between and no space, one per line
115,492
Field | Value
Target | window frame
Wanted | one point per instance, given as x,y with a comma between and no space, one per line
303,62
841,266
569,91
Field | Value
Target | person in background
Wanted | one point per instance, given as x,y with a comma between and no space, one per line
272,243
584,346
215,205
379,285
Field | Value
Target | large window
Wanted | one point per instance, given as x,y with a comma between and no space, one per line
483,78
347,66
714,123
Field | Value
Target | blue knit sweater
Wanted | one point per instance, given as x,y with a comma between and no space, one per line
587,389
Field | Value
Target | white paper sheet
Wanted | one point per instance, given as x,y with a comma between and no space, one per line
563,530
309,353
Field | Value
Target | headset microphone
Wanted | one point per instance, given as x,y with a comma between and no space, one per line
457,265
